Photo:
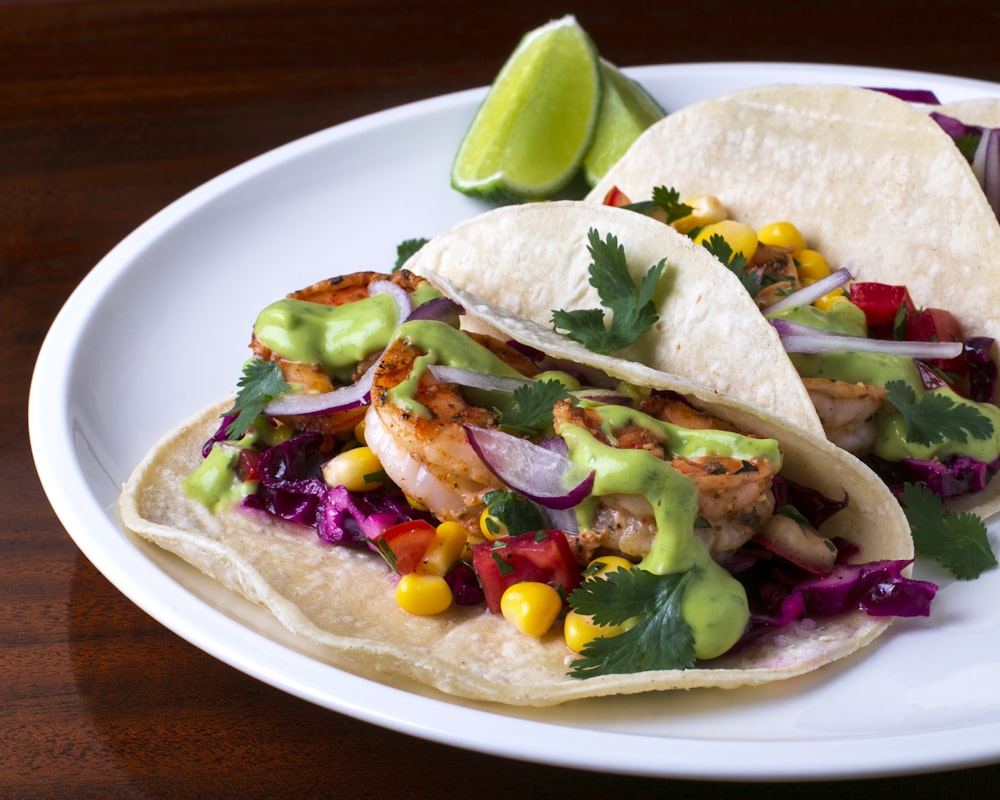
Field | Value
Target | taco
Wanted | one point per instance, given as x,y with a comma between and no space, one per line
748,550
875,186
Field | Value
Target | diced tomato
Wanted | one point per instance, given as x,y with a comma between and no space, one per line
248,464
403,545
881,303
544,556
938,325
616,197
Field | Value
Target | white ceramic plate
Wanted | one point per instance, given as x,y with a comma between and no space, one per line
159,329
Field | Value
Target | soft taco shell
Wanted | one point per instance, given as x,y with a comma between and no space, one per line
533,259
340,600
872,182
984,111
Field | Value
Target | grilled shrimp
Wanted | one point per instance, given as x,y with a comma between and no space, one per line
427,453
734,496
847,411
333,292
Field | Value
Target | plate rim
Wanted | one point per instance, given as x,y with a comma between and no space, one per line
48,400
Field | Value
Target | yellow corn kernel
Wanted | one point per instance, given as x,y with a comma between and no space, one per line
705,209
782,234
811,266
604,564
740,237
423,595
357,470
827,301
414,503
580,630
359,432
445,550
491,527
531,607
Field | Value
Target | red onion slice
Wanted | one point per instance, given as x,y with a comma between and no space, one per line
398,294
342,399
538,473
803,339
811,293
476,380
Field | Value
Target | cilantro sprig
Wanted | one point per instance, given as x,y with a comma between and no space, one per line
666,202
632,309
259,384
937,417
532,406
405,249
957,541
510,514
736,263
660,638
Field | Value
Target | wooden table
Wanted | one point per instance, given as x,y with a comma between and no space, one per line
111,110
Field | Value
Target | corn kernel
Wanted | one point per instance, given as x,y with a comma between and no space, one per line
782,234
423,595
580,630
811,266
444,550
705,209
491,527
740,237
531,607
827,301
359,432
357,470
604,564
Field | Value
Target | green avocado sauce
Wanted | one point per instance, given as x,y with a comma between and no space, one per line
448,347
878,369
714,603
334,337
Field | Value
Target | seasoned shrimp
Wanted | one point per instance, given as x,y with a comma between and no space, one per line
333,292
426,452
847,411
734,496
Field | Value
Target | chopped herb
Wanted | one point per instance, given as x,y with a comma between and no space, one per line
532,406
936,417
503,565
260,383
660,637
405,249
669,199
633,310
510,514
735,262
957,541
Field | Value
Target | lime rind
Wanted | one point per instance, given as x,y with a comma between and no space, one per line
529,136
627,109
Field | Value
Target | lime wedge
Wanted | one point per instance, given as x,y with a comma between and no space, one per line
626,111
528,138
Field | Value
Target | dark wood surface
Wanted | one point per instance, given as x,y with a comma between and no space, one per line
111,110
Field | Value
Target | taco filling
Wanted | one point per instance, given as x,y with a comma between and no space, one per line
656,534
894,383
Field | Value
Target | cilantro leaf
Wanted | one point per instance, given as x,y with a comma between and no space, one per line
669,199
260,383
736,263
532,406
405,249
633,311
510,514
936,417
957,541
660,637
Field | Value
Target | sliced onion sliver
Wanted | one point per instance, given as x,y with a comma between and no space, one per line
811,293
476,380
538,473
342,399
398,294
802,339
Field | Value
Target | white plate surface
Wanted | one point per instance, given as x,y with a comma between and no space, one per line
158,330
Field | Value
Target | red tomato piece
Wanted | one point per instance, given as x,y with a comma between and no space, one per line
248,464
938,325
881,303
403,545
616,197
544,556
